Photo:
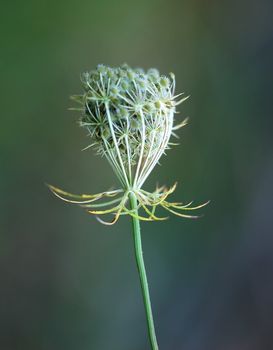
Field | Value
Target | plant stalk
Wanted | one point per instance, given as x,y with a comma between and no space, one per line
142,273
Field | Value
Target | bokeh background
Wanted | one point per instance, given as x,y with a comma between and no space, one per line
67,282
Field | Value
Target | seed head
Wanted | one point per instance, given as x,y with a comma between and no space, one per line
129,116
136,109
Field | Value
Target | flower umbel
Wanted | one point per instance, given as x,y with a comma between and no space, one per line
129,116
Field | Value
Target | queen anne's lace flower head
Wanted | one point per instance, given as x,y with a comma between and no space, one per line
129,116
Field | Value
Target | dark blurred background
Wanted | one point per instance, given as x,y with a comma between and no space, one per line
66,281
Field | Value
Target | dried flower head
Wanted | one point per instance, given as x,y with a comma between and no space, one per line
129,116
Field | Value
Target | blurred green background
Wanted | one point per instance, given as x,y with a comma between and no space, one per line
67,282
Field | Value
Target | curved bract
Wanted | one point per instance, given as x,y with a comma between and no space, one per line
116,203
129,116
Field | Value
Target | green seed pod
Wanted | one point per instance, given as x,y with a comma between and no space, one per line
122,112
135,124
124,84
164,82
114,91
102,69
142,83
111,74
131,74
105,133
157,105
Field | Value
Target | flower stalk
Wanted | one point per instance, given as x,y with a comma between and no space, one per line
142,273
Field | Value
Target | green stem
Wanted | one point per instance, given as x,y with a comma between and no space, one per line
142,274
